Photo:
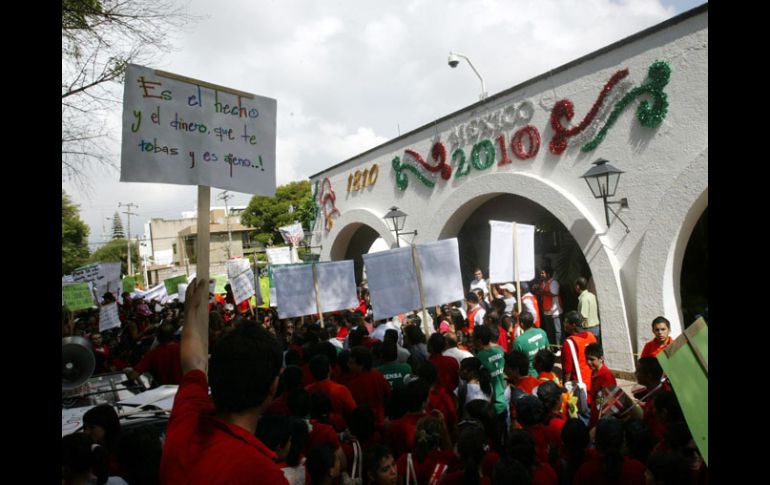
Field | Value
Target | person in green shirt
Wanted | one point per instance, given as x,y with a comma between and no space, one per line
532,340
393,371
493,358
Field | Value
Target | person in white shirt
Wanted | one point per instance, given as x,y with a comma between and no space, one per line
479,282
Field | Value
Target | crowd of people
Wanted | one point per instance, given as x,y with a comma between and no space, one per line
473,395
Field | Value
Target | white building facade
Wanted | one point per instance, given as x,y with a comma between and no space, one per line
641,104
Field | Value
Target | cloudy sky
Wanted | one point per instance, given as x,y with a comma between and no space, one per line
349,75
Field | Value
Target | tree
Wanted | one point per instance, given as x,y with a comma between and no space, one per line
74,236
99,39
115,251
267,214
117,227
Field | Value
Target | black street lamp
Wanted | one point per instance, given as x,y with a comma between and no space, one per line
603,181
396,220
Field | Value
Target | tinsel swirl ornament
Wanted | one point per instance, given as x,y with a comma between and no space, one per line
649,115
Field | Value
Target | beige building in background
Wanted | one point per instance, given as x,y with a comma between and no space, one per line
173,243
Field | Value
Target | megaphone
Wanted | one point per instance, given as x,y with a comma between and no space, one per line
77,362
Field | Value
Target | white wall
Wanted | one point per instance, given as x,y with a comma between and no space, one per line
665,179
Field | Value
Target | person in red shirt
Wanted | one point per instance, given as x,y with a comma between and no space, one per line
602,380
550,395
649,373
215,443
163,362
400,434
580,338
661,327
610,466
367,385
448,368
439,399
101,352
341,399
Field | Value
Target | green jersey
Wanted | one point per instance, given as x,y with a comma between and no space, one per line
394,373
530,342
493,359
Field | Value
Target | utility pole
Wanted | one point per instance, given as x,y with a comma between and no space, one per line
128,235
225,196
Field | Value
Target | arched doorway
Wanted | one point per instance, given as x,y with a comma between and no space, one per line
554,244
694,277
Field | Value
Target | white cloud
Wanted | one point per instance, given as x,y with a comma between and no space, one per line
349,75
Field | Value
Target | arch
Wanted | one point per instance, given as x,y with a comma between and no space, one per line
580,223
663,248
345,228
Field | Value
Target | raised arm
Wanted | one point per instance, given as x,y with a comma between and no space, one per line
194,347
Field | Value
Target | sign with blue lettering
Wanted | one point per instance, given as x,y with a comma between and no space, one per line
179,130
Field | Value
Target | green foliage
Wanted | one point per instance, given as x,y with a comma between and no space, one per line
74,236
267,214
115,251
117,227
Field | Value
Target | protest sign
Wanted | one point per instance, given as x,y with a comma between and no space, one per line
279,255
241,278
501,246
296,289
78,296
108,317
440,272
185,131
171,284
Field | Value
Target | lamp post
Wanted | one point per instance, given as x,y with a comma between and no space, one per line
454,61
603,179
397,219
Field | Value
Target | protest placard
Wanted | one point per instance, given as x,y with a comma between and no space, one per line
501,246
295,288
241,278
108,317
78,296
185,131
171,284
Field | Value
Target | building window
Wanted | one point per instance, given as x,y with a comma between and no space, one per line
173,246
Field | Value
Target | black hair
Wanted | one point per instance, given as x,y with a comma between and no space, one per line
669,468
472,297
581,283
529,410
356,336
291,378
139,452
416,395
521,446
639,440
661,320
474,366
319,367
667,402
362,356
391,335
436,343
526,320
77,455
594,350
517,359
428,373
320,406
508,470
319,461
166,333
361,422
243,366
609,442
482,334
651,367
299,439
482,412
427,436
575,438
273,431
414,334
498,304
389,351
574,317
471,448
372,458
544,360
298,402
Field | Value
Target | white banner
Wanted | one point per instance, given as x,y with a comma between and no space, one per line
440,272
296,292
181,291
108,317
292,234
187,132
241,278
392,282
280,255
501,268
157,292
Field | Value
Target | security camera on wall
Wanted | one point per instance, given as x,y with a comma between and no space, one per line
453,60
